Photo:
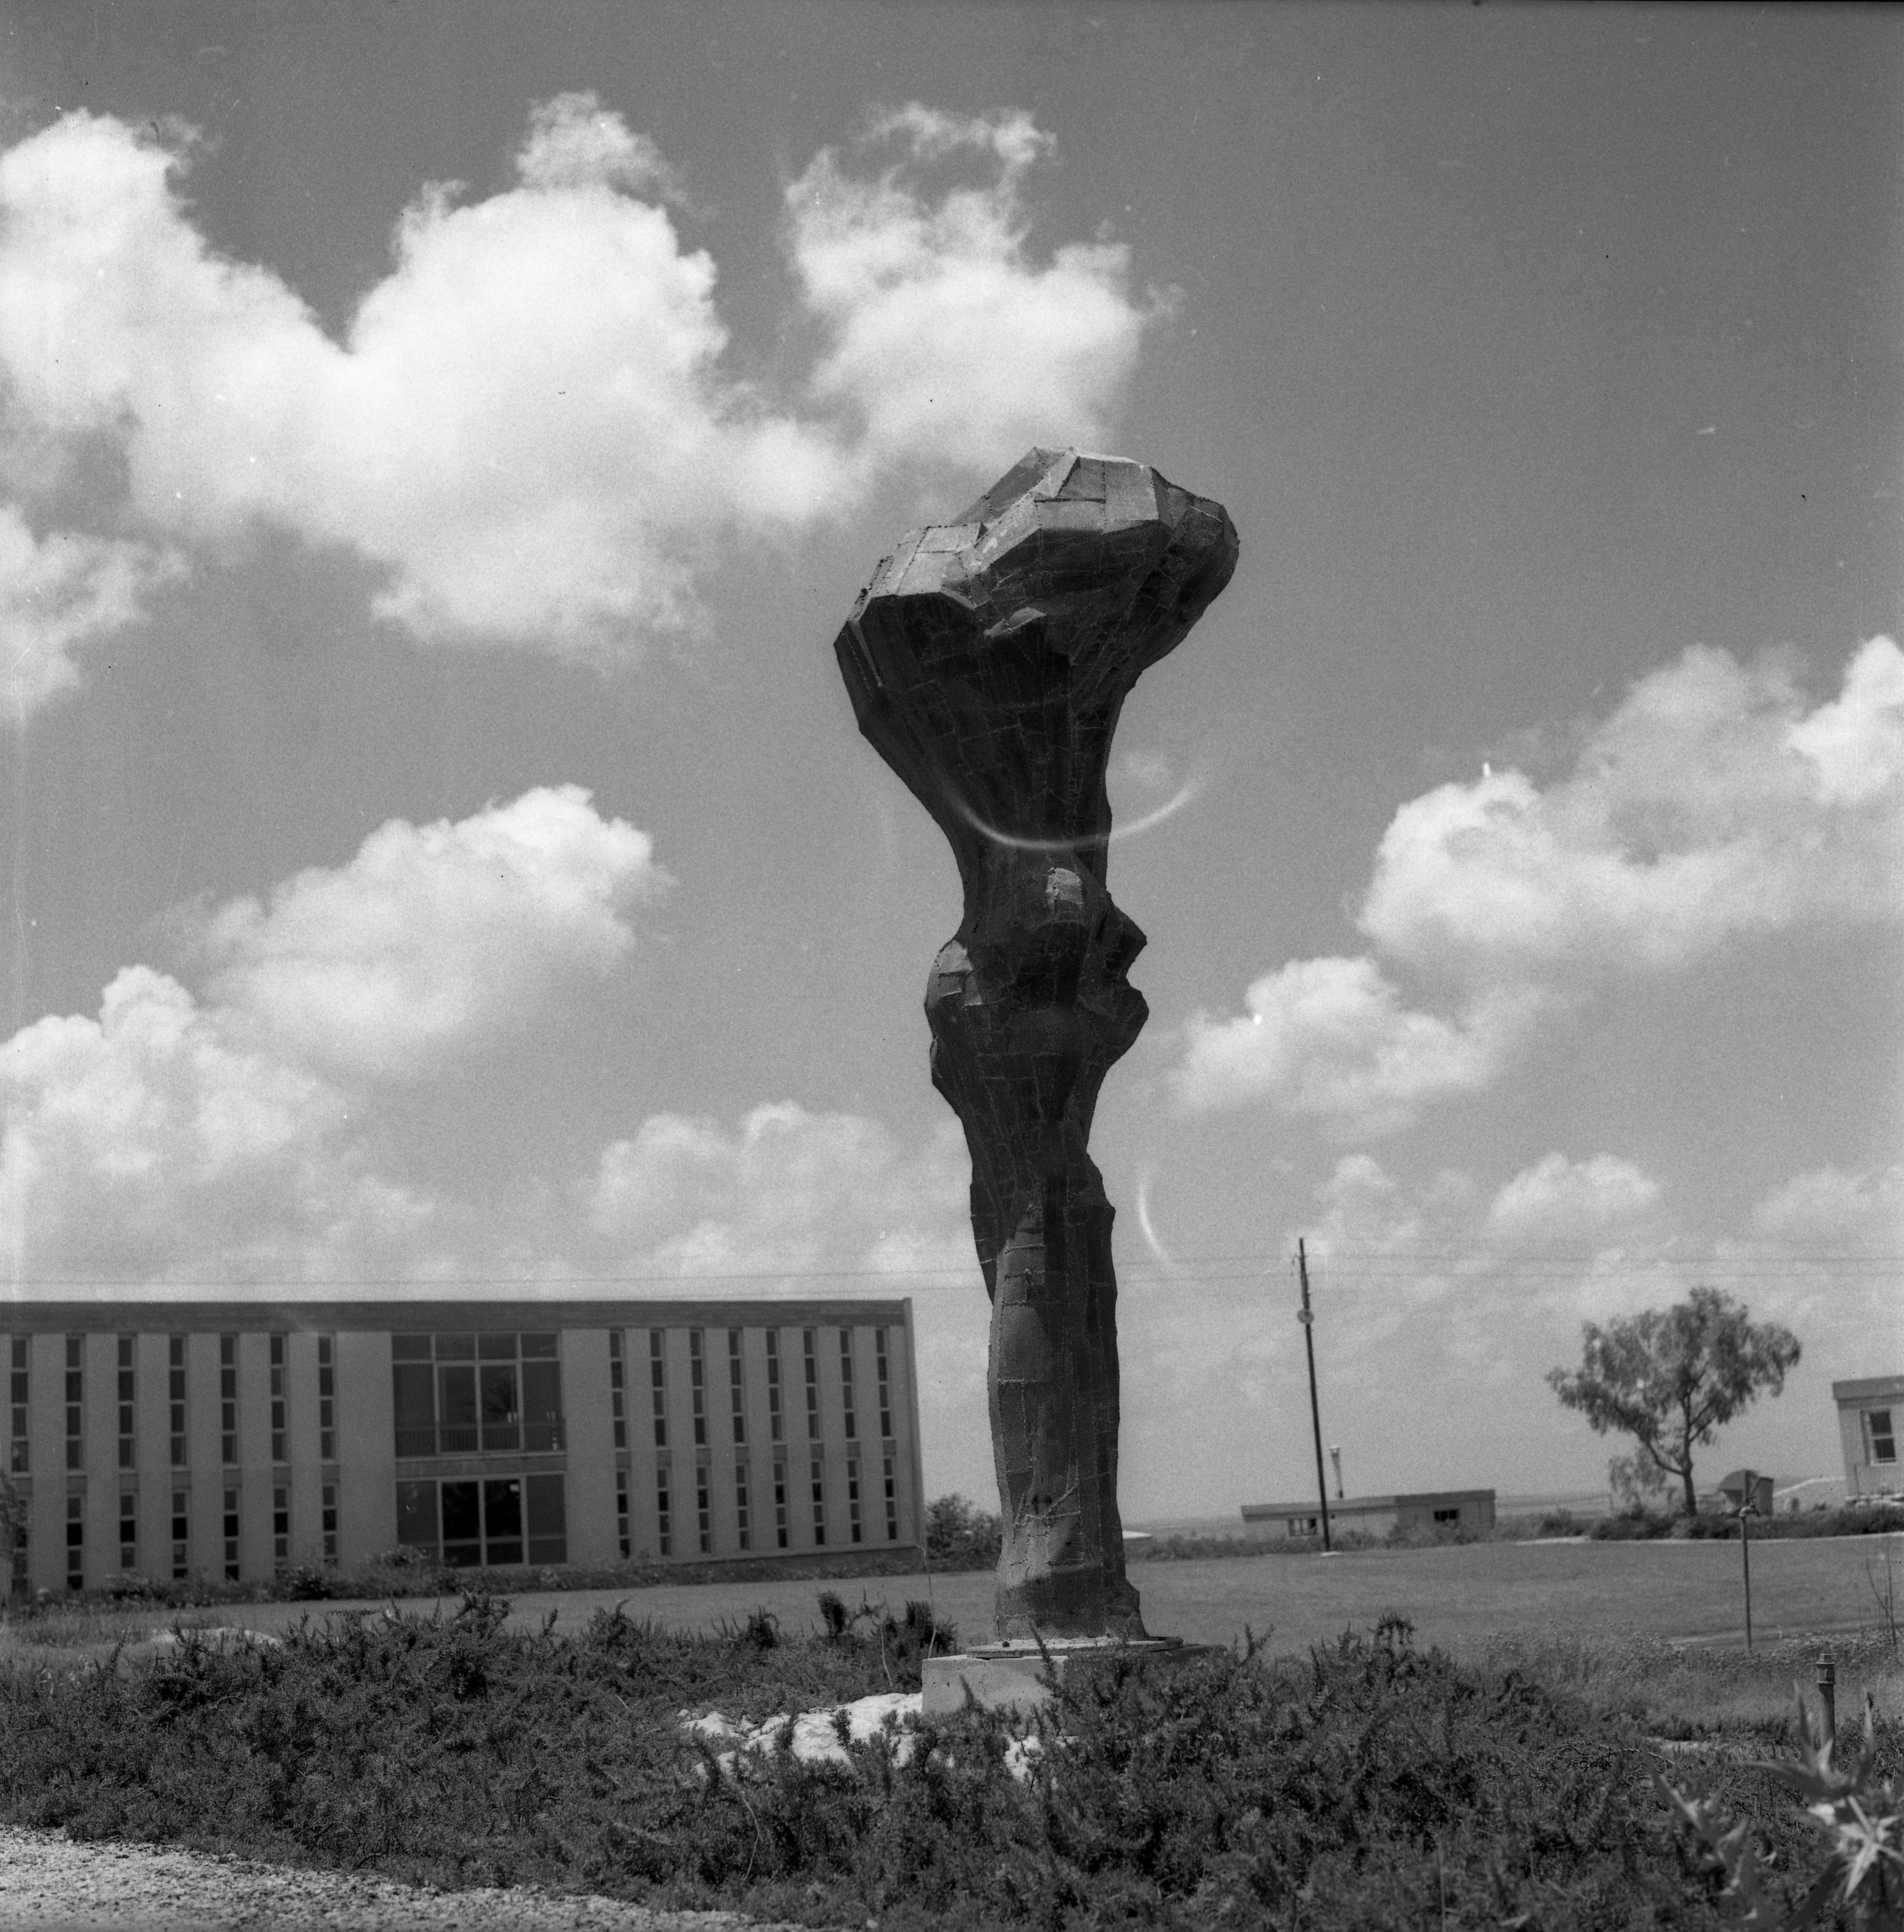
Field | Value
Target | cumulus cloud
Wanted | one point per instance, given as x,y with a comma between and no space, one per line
529,425
1334,1037
223,1130
146,1143
1836,1210
787,1192
948,339
432,936
1558,1198
1714,805
62,591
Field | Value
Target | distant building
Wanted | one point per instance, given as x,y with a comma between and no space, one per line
1869,1414
238,1439
1376,1516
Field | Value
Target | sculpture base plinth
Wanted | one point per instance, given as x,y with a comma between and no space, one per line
1013,1675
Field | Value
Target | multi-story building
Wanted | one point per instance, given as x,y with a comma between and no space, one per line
235,1439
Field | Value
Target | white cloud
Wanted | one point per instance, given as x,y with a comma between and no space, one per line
226,1130
1333,1037
787,1192
432,936
1838,1209
528,424
948,341
62,591
147,1143
1558,1198
1712,806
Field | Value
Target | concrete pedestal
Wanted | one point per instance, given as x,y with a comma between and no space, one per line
1010,1675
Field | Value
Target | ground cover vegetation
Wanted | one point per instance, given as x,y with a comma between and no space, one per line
1366,1783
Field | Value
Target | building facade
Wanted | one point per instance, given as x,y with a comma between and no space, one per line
1375,1516
236,1440
1870,1413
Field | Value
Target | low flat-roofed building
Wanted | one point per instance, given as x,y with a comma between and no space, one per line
1870,1418
238,1439
1375,1516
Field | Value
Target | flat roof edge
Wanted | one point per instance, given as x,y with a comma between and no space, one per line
1866,1386
303,1315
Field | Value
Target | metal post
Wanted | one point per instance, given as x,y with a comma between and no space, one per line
1745,1549
1306,1316
1827,1698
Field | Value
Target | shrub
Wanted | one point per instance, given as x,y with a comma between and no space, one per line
961,1536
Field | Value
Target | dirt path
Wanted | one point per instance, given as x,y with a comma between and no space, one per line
49,1884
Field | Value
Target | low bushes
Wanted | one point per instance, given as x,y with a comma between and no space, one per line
1871,1517
1364,1786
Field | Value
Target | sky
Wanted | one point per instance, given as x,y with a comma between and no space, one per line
439,445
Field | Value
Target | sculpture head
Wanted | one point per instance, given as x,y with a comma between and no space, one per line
989,657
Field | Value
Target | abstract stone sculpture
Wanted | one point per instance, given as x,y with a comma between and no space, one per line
988,661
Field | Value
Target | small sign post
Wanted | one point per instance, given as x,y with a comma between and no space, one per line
1745,1545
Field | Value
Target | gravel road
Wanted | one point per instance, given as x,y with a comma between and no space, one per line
50,1884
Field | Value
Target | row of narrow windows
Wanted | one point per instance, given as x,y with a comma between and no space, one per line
176,1553
697,1386
126,1391
781,1528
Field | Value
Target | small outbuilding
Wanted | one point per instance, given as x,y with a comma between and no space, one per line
1869,1412
1375,1516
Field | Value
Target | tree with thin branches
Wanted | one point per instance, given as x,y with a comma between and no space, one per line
1671,1378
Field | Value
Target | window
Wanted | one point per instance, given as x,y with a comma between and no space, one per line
327,1400
819,1474
281,1528
780,1504
737,1387
657,1380
809,1346
328,1497
228,1405
75,1396
1447,1516
461,1395
175,1395
22,1389
853,1498
740,1504
488,1521
662,1541
621,1511
128,1406
891,1503
617,1392
128,1531
706,1513
279,1449
846,1382
698,1384
22,1552
774,1421
76,1543
886,1385
1878,1431
181,1534
231,1528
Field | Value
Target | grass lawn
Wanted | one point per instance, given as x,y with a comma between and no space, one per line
1454,1596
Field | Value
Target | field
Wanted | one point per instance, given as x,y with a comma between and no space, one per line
1453,1596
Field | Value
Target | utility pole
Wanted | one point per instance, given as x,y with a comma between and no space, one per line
1306,1316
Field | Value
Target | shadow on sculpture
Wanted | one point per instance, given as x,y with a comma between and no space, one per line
988,661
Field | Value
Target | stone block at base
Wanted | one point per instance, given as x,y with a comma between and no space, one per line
1011,1676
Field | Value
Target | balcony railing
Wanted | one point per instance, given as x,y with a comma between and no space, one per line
488,1439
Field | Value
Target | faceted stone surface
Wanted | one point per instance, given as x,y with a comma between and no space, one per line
988,661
